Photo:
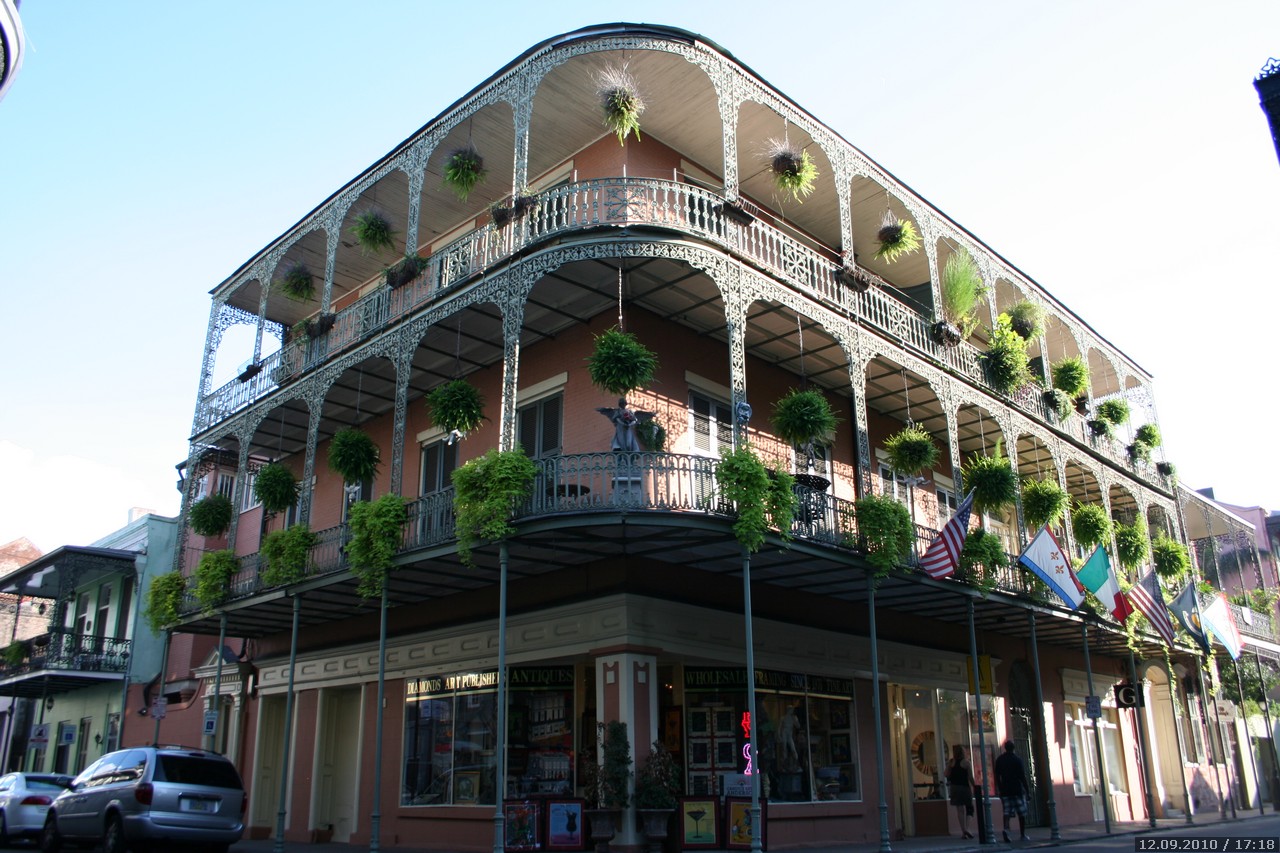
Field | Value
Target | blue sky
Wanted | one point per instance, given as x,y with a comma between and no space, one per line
1115,153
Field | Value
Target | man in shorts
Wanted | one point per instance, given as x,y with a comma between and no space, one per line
1011,782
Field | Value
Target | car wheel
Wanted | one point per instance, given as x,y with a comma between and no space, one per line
113,836
50,838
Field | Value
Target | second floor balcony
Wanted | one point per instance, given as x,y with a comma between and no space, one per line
59,661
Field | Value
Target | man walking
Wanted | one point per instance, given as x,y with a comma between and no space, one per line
1011,782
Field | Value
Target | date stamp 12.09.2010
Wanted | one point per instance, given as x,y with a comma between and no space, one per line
1207,844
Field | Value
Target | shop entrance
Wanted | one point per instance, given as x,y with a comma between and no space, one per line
266,777
928,723
337,763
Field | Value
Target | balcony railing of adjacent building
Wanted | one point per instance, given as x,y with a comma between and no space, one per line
67,650
619,202
610,482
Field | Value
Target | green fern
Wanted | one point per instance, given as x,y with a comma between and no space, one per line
463,171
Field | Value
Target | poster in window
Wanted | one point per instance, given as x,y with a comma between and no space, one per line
839,715
737,823
671,733
699,823
564,824
522,826
466,787
840,753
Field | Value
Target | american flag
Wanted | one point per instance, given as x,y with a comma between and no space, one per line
943,556
1146,596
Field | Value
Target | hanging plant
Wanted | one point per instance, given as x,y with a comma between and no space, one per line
885,531
275,487
1006,358
981,560
1102,428
1132,544
376,535
652,435
993,481
213,578
463,170
486,491
373,232
1139,453
620,363
804,417
1114,411
1090,525
405,270
911,450
1170,559
961,289
621,101
1060,403
353,454
1148,434
164,600
297,282
1166,469
1043,503
456,406
793,169
1027,319
1071,376
285,553
211,516
761,501
897,237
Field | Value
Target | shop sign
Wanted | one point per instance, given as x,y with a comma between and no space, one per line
710,679
541,678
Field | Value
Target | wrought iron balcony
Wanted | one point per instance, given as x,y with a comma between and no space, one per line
67,660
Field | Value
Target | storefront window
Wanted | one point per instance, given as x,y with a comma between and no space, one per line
807,748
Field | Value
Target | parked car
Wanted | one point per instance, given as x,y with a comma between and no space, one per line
24,802
163,798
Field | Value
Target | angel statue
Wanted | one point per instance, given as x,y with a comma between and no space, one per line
625,422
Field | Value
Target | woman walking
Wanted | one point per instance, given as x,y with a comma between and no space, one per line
960,783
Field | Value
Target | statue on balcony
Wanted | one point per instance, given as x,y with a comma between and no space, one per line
625,422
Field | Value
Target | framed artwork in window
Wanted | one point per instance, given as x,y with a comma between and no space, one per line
737,823
522,826
699,823
724,722
565,830
700,753
700,722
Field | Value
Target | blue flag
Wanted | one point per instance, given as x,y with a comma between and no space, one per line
1187,608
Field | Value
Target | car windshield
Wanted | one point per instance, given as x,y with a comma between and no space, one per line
50,784
196,770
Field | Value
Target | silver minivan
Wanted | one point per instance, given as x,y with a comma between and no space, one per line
134,798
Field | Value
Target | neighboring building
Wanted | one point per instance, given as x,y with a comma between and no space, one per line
91,671
1268,85
13,44
624,579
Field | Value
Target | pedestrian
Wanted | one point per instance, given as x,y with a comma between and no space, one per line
960,783
1011,782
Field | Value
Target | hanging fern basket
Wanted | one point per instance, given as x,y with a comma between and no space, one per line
298,283
897,237
1043,503
456,405
993,482
1071,376
463,171
275,487
353,455
486,491
1132,544
376,530
620,363
1090,524
1170,559
621,102
211,516
794,171
373,232
911,450
885,532
803,417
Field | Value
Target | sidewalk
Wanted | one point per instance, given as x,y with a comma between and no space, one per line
1039,838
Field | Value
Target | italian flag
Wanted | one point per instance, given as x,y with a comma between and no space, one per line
1097,577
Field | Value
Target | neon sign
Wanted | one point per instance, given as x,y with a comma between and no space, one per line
746,748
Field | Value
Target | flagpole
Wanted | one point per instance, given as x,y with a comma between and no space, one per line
1204,710
1177,741
989,828
1144,750
1271,734
1055,834
1097,736
1235,664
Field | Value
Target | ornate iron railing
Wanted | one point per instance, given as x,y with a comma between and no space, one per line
69,651
612,202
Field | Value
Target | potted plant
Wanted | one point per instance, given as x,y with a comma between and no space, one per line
298,283
620,363
1146,439
897,237
761,500
1170,559
657,788
736,210
1090,525
249,372
1027,319
213,578
1101,428
885,531
1060,403
1043,503
15,653
353,454
1006,358
486,491
275,487
911,450
1166,469
376,530
373,232
405,270
652,435
455,407
620,101
1132,544
320,324
961,288
993,482
284,554
211,516
794,171
854,277
463,170
164,600
803,418
981,560
607,782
